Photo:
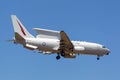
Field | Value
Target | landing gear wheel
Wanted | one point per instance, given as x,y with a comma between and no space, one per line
57,57
98,58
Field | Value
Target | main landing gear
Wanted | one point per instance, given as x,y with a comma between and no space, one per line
58,57
60,54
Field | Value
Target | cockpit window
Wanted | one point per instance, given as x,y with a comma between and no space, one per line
103,47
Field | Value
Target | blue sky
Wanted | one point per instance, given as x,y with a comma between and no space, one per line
88,20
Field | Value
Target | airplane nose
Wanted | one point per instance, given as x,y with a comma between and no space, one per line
107,51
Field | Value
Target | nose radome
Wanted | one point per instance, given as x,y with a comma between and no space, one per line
107,51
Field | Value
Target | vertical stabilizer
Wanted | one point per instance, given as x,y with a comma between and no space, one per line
19,28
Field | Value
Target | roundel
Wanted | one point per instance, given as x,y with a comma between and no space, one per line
43,44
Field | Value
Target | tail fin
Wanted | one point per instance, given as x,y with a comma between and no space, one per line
20,31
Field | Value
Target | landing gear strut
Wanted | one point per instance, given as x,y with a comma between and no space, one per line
62,53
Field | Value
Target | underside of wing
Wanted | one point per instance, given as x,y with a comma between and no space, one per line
66,46
65,42
44,33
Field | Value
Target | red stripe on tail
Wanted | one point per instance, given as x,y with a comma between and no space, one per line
22,30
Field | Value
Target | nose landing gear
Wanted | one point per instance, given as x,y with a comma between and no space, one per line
98,57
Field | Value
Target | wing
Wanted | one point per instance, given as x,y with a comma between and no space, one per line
65,41
44,33
66,45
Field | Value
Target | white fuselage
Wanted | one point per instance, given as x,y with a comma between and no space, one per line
52,45
51,41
